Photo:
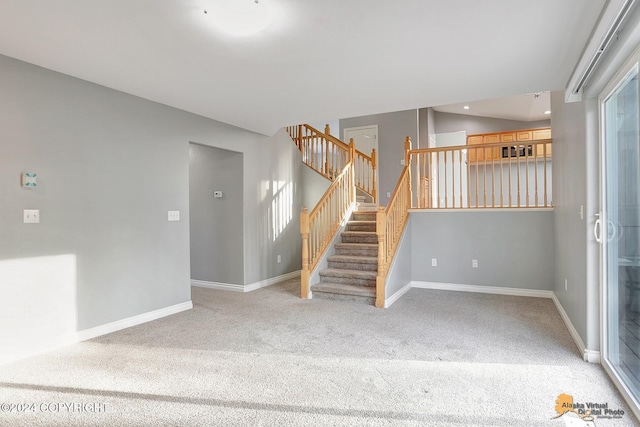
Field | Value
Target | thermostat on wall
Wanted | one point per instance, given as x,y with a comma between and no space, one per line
217,194
29,180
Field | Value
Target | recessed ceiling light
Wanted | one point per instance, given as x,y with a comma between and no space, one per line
548,112
466,107
239,17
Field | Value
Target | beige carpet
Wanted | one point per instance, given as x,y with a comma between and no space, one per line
268,358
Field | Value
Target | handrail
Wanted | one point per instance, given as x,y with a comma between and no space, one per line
320,225
390,224
480,147
327,155
515,174
323,153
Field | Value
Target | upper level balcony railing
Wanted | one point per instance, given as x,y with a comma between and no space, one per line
499,175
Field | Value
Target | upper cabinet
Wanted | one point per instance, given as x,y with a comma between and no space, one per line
489,154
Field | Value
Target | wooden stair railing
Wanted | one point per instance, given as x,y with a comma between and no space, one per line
390,224
328,156
320,225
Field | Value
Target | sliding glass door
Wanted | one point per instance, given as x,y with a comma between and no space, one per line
618,230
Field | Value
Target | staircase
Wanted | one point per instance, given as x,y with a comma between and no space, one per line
353,269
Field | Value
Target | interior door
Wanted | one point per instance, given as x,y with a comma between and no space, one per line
364,137
618,230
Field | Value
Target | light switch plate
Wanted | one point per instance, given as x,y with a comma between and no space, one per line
31,216
174,216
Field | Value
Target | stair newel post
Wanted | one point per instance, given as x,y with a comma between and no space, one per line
352,181
304,230
407,163
382,265
374,178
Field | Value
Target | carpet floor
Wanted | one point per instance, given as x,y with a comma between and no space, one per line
269,358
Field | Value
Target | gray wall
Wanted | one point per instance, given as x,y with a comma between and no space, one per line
568,133
393,128
110,166
215,224
400,273
448,122
314,187
514,249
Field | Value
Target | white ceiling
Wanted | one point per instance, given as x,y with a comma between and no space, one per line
526,107
317,60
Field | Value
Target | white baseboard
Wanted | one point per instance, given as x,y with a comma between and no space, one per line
483,289
245,288
86,334
218,285
272,281
395,297
132,321
590,356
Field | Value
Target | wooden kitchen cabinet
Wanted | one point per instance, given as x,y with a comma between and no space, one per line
497,153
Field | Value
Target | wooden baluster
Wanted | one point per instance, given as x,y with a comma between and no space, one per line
535,171
484,176
461,166
501,184
493,180
382,274
304,230
352,182
544,159
374,168
518,171
407,163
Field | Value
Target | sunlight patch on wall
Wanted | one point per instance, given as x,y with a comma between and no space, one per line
281,211
38,304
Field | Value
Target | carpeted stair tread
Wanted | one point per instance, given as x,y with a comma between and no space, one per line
348,276
336,288
363,206
357,249
359,237
353,262
364,216
369,226
353,258
343,273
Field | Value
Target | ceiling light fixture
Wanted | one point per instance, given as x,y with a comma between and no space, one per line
239,17
547,112
466,107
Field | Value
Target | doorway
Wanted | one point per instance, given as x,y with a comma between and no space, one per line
216,215
365,139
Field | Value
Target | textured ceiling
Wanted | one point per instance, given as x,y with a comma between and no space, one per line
316,61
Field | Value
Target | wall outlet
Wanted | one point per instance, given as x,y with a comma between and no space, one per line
31,216
174,216
217,194
434,262
279,259
474,263
388,193
402,162
566,285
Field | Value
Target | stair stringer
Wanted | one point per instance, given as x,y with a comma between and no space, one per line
323,263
